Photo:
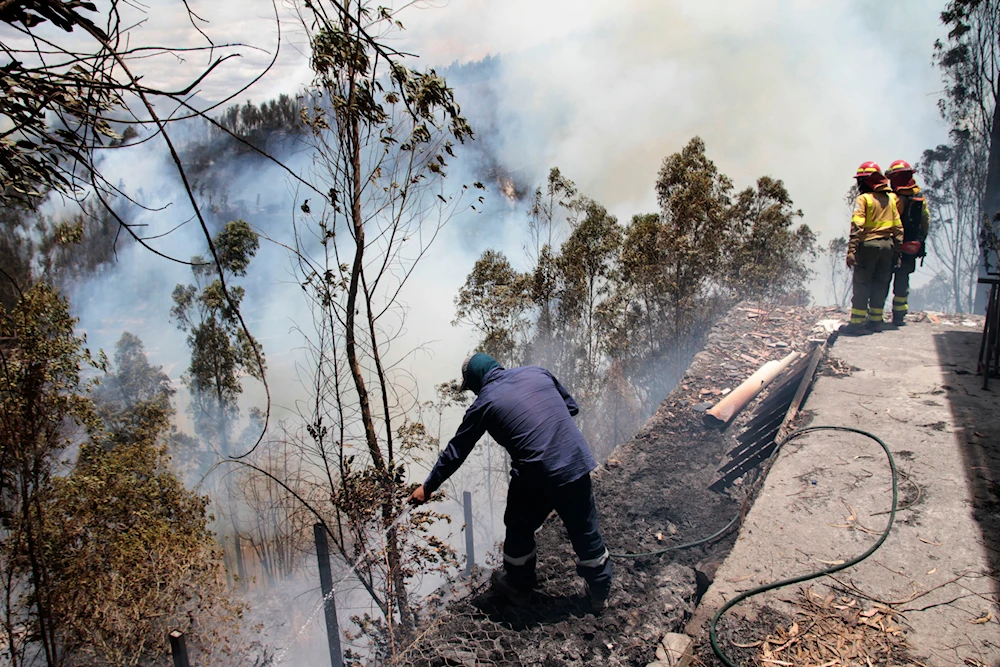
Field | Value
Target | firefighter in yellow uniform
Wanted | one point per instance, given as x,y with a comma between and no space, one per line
876,235
916,218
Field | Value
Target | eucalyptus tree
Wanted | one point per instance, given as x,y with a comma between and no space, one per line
222,350
382,135
495,300
767,251
969,60
42,411
695,206
587,265
952,174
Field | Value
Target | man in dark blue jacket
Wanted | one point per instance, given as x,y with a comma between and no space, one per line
530,414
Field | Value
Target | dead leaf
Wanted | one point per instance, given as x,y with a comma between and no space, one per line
932,571
830,562
983,619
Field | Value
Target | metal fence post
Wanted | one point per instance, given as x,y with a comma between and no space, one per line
240,571
470,550
329,603
178,649
227,564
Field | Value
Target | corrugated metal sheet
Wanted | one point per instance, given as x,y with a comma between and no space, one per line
757,442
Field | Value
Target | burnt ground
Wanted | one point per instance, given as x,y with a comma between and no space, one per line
651,493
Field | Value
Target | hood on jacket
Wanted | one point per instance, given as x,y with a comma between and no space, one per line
474,370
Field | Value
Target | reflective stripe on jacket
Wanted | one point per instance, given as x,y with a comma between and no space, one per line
876,216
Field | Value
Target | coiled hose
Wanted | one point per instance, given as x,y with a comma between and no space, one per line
712,634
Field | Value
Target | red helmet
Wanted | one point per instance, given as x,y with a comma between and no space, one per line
867,169
899,167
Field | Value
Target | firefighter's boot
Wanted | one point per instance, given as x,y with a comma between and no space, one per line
855,329
597,597
502,585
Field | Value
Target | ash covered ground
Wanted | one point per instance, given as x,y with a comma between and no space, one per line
652,492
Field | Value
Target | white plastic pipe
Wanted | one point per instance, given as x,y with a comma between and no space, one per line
725,409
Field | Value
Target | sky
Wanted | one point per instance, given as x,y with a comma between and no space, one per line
798,90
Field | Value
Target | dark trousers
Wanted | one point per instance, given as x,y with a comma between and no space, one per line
527,508
872,275
901,286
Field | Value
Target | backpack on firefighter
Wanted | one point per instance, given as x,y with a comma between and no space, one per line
912,218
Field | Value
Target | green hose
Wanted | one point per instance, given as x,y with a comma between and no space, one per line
688,545
713,637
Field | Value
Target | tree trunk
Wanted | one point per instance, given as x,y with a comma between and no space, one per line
396,584
350,333
988,260
991,200
379,370
28,497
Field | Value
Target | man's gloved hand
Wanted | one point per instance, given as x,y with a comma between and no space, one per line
419,496
851,261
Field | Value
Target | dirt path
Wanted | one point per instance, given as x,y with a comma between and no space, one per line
651,493
824,500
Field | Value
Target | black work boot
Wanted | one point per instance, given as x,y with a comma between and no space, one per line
898,320
598,598
502,585
854,330
874,326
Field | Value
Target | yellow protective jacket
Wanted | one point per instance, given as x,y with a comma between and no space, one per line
876,216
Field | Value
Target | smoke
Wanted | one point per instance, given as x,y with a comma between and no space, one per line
797,90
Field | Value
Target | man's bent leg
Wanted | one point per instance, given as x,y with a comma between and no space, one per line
527,509
578,511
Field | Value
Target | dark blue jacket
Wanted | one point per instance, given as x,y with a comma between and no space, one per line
529,413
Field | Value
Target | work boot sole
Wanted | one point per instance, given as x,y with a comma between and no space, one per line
845,331
503,588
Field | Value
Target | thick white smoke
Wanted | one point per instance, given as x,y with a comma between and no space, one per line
801,91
